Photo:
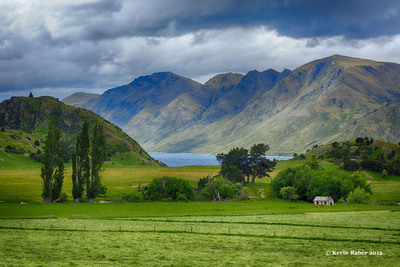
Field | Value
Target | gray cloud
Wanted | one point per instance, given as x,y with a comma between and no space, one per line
92,45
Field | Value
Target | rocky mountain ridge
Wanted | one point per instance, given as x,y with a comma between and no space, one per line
318,102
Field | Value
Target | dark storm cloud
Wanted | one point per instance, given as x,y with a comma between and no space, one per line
65,46
294,18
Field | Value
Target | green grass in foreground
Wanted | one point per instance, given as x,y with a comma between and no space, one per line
145,209
305,239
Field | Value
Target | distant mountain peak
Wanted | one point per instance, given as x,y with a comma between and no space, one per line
79,98
291,110
224,79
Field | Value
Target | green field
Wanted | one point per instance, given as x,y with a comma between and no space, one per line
268,237
121,179
265,232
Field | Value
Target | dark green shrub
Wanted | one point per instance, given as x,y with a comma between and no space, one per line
202,183
289,193
372,165
63,197
181,198
132,197
351,165
219,189
168,187
360,196
311,183
101,189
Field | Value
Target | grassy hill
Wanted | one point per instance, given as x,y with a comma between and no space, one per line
24,122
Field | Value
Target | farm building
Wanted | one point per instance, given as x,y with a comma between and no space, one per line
324,201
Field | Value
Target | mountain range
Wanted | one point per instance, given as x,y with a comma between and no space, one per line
330,99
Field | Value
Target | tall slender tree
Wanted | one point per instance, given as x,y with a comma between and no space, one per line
52,171
81,162
97,157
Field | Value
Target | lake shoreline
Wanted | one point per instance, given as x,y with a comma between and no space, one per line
188,159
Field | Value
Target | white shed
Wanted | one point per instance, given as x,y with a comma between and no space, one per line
324,201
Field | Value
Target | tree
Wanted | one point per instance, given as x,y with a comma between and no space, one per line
97,157
360,140
240,163
81,162
52,171
259,165
234,165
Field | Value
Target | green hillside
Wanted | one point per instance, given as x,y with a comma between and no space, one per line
24,122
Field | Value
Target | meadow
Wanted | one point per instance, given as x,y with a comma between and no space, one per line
121,179
282,239
265,232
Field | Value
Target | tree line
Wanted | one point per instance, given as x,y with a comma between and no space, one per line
87,159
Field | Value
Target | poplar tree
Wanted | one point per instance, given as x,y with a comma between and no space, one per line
52,171
80,162
97,157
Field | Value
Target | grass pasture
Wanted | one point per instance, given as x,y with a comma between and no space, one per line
243,233
121,179
283,239
20,184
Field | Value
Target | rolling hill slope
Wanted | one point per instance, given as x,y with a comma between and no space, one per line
24,122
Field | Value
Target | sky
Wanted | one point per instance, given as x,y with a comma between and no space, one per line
58,47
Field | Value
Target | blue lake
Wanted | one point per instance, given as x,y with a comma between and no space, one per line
187,159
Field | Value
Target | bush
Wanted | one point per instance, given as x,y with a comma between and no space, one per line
351,165
132,197
63,197
372,165
310,183
202,183
102,189
244,193
289,193
359,196
219,189
181,198
168,187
